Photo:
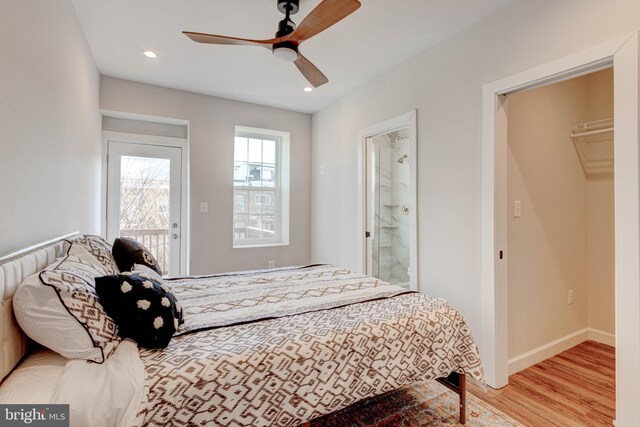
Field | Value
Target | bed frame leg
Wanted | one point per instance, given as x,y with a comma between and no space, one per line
458,383
463,399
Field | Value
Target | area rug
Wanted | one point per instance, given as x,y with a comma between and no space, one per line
424,404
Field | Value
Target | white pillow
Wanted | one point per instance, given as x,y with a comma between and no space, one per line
59,308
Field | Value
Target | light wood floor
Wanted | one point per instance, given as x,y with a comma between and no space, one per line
574,388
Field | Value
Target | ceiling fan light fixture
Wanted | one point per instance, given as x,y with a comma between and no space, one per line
150,54
285,53
308,89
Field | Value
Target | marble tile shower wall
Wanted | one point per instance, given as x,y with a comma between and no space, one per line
391,234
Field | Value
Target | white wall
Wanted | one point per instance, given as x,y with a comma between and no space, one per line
211,134
547,245
50,124
445,84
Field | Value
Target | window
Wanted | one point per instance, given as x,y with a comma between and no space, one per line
260,187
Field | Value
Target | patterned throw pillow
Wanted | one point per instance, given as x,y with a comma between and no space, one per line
128,252
146,272
59,308
143,307
99,248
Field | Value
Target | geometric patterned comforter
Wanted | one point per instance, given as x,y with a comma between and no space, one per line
354,338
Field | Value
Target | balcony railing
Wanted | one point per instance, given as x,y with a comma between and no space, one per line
156,240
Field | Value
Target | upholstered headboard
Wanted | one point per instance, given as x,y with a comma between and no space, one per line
14,268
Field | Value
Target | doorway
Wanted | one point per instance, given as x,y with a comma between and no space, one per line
388,202
145,197
560,222
388,207
624,55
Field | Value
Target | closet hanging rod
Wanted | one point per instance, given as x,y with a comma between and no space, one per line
592,132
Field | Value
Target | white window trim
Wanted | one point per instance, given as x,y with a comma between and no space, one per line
282,190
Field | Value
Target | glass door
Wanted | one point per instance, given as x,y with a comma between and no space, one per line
144,199
388,207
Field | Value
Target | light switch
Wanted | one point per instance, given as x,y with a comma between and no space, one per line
517,209
204,207
321,170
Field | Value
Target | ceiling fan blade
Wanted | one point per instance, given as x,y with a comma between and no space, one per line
310,71
215,39
326,14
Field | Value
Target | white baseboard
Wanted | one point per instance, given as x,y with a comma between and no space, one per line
602,337
548,350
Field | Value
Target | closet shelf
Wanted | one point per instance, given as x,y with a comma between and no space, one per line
391,206
594,144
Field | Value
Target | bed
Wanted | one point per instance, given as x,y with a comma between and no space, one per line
270,347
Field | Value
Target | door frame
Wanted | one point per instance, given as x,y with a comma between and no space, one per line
407,120
623,54
165,141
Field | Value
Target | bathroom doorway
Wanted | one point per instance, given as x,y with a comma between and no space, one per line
389,201
388,207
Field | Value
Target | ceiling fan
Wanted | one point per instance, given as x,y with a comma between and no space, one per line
289,37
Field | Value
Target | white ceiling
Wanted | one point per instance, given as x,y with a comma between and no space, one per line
381,34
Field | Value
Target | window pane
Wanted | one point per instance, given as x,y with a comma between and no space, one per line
268,202
254,227
240,201
144,204
240,149
255,201
268,226
268,174
255,174
240,227
255,150
269,151
240,171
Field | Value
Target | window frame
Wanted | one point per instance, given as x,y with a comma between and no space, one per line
280,189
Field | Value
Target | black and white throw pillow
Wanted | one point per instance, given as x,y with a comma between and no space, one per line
144,271
142,306
128,252
99,248
59,308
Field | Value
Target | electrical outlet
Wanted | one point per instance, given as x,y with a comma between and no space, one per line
570,297
272,264
204,207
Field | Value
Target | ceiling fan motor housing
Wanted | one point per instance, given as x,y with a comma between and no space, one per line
292,5
285,27
286,50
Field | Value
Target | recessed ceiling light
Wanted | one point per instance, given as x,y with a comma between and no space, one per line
308,89
150,54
